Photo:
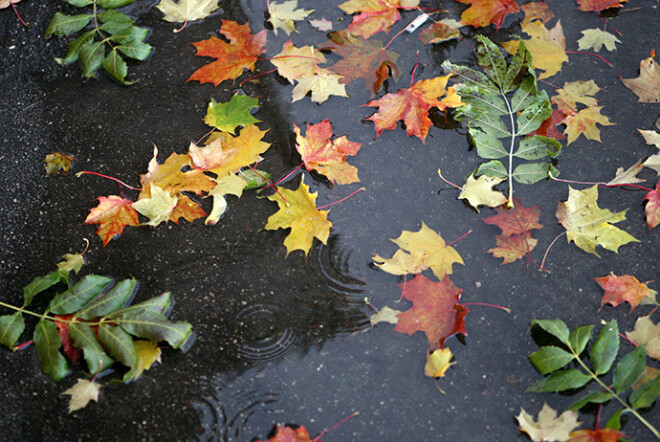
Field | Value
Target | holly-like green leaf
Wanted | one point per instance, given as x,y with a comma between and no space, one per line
561,381
120,345
117,297
629,369
550,358
42,283
556,327
232,114
155,327
48,344
595,397
579,338
11,328
62,25
79,295
605,348
84,337
646,394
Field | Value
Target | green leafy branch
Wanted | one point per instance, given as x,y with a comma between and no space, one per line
602,355
503,102
107,28
94,316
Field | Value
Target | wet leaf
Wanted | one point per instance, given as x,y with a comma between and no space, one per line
148,354
646,394
548,46
595,397
112,214
629,369
516,239
647,333
652,207
323,24
438,362
647,85
557,328
595,39
599,5
374,15
485,12
587,225
627,176
597,435
121,347
561,381
158,207
579,338
48,344
117,297
84,337
79,295
73,262
480,192
187,10
605,348
385,314
549,426
550,358
441,31
624,288
283,15
232,114
585,123
11,328
42,283
81,393
435,310
57,163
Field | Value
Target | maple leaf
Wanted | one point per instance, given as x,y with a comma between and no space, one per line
58,163
484,12
283,15
362,59
584,123
157,207
228,116
148,354
479,192
81,393
231,184
651,137
624,288
321,84
299,213
245,149
595,39
441,31
325,156
587,225
647,85
112,214
438,362
294,62
232,58
652,208
73,262
548,427
548,46
289,433
5,3
171,176
597,435
627,176
375,15
549,126
538,10
599,5
209,157
647,333
435,310
516,239
426,249
513,247
412,106
187,10
323,24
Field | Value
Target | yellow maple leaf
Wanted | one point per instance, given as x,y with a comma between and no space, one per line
81,393
479,192
548,46
299,213
210,156
246,149
438,362
293,62
584,123
148,354
549,426
574,92
322,84
158,207
229,185
402,263
283,15
186,10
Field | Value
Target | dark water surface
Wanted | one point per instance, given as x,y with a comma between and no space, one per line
287,339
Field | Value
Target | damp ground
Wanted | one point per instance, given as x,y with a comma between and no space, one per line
287,339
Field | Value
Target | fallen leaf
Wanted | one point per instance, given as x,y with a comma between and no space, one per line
245,149
435,310
587,225
322,83
362,59
441,31
112,214
584,123
647,85
518,220
187,10
375,15
647,333
595,39
597,435
299,213
385,314
573,93
209,157
293,62
479,192
232,58
513,247
412,106
549,427
174,176
73,262
326,156
81,393
232,114
624,288
485,12
651,137
157,207
6,3
323,24
649,374
539,10
289,433
57,163
652,208
148,354
438,362
599,5
426,249
627,176
548,46
229,185
283,15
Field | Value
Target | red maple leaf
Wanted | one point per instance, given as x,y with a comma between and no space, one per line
623,288
112,214
232,58
412,106
73,352
365,59
599,435
549,127
485,12
652,208
186,209
435,310
516,239
599,5
289,433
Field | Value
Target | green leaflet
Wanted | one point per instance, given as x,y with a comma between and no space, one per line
579,338
228,116
561,381
120,345
83,336
605,348
503,105
646,394
556,327
117,297
112,36
48,344
79,295
11,328
41,283
629,369
550,358
595,397
155,327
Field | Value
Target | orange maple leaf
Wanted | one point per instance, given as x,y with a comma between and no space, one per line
412,106
623,288
112,214
599,5
288,433
652,208
484,12
375,15
435,310
516,239
232,58
326,156
598,435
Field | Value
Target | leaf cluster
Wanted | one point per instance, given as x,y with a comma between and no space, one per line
95,316
108,37
554,360
504,105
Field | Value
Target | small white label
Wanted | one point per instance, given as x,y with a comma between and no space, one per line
416,23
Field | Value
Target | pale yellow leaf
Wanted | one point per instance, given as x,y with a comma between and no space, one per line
158,207
438,362
595,39
549,427
648,334
73,262
479,192
187,10
628,176
385,314
81,393
283,15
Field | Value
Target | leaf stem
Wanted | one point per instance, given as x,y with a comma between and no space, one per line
412,75
509,202
548,250
86,172
18,15
448,182
341,200
393,38
341,422
460,238
28,312
591,53
508,310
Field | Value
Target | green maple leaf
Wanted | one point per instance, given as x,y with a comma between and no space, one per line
228,116
587,225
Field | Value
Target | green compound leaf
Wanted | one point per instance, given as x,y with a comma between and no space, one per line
579,338
487,145
537,147
556,327
117,297
84,337
91,58
595,397
11,328
519,69
629,369
561,381
228,116
79,295
62,25
550,358
614,422
605,348
646,394
160,304
534,114
48,344
42,283
493,62
120,345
